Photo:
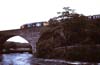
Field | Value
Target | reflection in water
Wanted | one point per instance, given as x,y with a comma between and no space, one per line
28,59
16,59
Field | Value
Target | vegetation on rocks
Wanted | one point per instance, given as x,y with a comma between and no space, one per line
72,37
16,47
10,44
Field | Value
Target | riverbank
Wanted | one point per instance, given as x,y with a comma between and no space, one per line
16,47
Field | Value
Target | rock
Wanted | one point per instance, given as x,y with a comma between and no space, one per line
74,40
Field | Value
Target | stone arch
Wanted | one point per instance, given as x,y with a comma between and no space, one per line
9,37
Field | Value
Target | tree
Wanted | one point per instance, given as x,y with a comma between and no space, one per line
67,13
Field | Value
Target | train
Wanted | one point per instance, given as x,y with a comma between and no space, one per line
94,17
35,24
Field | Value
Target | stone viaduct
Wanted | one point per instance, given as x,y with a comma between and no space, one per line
31,35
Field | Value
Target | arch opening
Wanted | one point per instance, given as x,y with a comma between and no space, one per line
17,44
18,39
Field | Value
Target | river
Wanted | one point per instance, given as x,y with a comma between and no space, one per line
28,59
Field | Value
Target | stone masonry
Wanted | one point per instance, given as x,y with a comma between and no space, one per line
31,35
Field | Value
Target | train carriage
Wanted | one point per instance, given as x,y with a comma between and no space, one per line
36,24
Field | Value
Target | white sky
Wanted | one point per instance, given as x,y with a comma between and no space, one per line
14,13
18,39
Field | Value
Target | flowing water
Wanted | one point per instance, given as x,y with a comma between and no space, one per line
28,59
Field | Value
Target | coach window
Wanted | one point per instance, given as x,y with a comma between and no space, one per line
38,24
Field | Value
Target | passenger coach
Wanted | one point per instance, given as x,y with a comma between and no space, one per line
36,24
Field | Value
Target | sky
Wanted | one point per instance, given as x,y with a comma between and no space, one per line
14,13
